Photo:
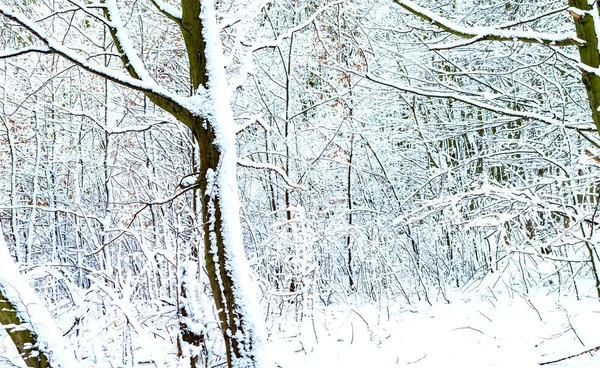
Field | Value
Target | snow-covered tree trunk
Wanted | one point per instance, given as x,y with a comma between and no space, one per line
211,120
24,339
208,114
27,321
587,21
214,130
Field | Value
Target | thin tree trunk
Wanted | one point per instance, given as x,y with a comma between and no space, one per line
349,199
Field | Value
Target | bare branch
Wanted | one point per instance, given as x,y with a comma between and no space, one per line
592,350
533,18
12,53
86,10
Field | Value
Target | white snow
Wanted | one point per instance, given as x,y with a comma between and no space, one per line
33,311
477,330
167,8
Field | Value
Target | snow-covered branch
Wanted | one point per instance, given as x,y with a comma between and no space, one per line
475,34
291,31
131,60
250,120
51,46
470,101
278,170
168,10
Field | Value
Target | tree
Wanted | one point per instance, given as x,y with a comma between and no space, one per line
206,111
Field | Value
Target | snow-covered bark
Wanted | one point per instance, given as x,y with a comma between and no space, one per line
224,234
27,321
586,20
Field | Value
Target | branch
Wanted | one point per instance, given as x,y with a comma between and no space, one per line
592,350
475,34
533,18
290,32
169,101
85,8
469,101
11,53
168,10
250,120
131,61
278,170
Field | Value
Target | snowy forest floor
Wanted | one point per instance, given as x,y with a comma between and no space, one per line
475,330
483,328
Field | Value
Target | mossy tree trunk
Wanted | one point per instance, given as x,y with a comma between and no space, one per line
588,53
25,340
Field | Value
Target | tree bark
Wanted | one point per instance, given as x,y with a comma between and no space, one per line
589,54
25,340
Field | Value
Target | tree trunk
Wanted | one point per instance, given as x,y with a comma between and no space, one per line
25,340
589,54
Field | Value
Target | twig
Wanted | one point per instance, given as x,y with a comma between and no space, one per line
469,328
592,350
418,360
571,326
530,304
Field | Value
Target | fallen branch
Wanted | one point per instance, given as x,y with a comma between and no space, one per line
592,350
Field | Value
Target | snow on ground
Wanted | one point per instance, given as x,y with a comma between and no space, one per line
477,329
9,356
473,331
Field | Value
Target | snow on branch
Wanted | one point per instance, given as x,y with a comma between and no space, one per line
168,10
250,120
32,312
123,43
291,31
278,170
475,34
247,63
147,85
470,101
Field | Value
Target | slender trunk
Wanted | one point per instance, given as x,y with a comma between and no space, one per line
13,172
288,92
34,195
349,198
